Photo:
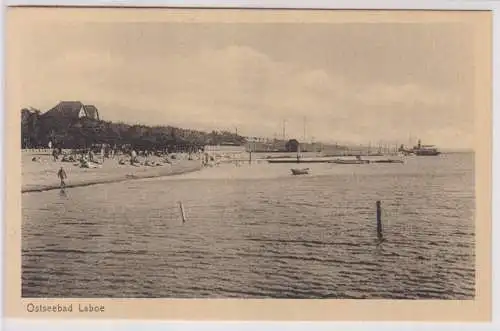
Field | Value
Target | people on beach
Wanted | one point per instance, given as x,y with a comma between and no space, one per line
68,158
62,176
87,158
55,155
91,156
102,154
133,157
84,163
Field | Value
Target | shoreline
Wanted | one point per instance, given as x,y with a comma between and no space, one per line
126,173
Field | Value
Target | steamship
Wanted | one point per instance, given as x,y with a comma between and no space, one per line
421,150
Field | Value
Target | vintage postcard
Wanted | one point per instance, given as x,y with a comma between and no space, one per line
233,164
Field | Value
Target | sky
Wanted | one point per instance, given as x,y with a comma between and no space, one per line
352,82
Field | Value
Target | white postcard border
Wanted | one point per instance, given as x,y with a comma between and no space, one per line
16,324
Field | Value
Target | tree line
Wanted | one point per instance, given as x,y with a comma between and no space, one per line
38,129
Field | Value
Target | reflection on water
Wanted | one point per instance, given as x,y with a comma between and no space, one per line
257,231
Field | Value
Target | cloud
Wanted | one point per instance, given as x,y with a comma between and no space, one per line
409,94
233,86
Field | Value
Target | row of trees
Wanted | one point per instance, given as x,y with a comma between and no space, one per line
37,130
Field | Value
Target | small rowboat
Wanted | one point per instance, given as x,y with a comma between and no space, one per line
303,171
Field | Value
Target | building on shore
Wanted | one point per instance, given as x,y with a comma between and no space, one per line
224,149
72,110
41,130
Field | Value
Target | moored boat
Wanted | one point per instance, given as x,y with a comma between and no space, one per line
388,161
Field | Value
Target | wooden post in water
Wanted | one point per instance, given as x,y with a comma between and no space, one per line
250,152
379,220
183,215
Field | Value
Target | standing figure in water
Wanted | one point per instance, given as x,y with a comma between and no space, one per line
61,174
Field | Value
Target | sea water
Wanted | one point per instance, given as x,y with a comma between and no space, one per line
256,231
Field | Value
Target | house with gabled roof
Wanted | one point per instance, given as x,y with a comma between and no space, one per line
73,110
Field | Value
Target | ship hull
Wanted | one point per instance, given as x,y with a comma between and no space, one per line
426,153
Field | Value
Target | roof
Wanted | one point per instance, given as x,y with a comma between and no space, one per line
72,109
91,111
66,108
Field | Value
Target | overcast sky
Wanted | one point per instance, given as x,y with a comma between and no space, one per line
351,82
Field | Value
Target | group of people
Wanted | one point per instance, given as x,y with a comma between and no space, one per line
93,159
81,155
88,159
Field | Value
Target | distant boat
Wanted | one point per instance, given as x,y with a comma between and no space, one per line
303,171
388,161
426,150
421,150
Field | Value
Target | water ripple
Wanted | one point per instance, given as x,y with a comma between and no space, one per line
257,232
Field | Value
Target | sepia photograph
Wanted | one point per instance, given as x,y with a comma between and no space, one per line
247,154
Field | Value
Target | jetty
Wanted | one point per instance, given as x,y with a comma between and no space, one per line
300,160
333,160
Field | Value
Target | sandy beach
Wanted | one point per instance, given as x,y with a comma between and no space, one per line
42,175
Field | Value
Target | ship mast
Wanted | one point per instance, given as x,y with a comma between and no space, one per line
304,138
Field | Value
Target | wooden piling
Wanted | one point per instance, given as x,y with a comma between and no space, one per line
379,220
183,214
